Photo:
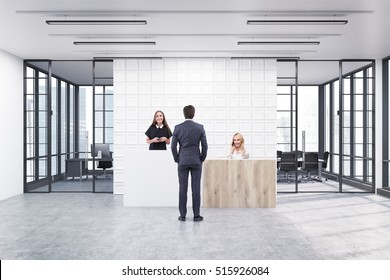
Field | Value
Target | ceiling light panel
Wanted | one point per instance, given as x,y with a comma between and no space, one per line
297,22
250,43
96,22
114,43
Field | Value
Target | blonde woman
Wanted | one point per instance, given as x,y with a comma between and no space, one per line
237,150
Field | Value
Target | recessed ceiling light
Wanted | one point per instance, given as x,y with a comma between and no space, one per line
249,43
96,22
119,43
297,22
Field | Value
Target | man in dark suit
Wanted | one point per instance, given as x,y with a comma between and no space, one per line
188,135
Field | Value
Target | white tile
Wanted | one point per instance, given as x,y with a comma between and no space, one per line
194,88
245,76
119,64
207,76
131,64
170,101
207,64
257,64
131,100
233,76
233,101
245,127
120,114
245,114
194,76
157,76
270,76
195,63
120,125
270,114
120,137
131,114
157,88
183,89
232,64
220,76
145,101
270,138
170,63
157,101
207,100
207,88
119,101
132,125
258,76
220,138
183,64
220,126
182,76
220,64
132,76
145,113
245,64
220,88
257,152
232,114
270,126
258,138
205,113
258,101
220,114
270,64
120,76
233,89
132,88
270,101
220,101
157,64
170,88
245,101
119,88
258,126
170,76
258,89
145,64
245,89
144,89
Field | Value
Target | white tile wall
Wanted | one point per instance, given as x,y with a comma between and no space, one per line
229,96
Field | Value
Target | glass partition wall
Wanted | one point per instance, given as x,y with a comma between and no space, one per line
320,114
68,107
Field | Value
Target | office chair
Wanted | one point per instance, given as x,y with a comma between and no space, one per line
324,166
105,163
287,167
310,165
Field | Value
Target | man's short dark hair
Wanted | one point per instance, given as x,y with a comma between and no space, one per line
189,112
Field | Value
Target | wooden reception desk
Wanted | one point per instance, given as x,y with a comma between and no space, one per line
239,183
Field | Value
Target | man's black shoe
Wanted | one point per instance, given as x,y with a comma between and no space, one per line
198,218
182,219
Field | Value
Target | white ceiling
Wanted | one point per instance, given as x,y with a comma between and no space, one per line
202,28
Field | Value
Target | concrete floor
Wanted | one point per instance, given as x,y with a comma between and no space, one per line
86,226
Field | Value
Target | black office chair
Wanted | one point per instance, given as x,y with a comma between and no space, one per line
325,158
104,164
287,168
310,165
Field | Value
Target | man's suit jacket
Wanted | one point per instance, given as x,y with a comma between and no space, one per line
188,135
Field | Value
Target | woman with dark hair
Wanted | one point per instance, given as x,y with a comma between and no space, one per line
158,135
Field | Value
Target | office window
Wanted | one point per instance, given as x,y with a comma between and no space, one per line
357,110
285,118
308,118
